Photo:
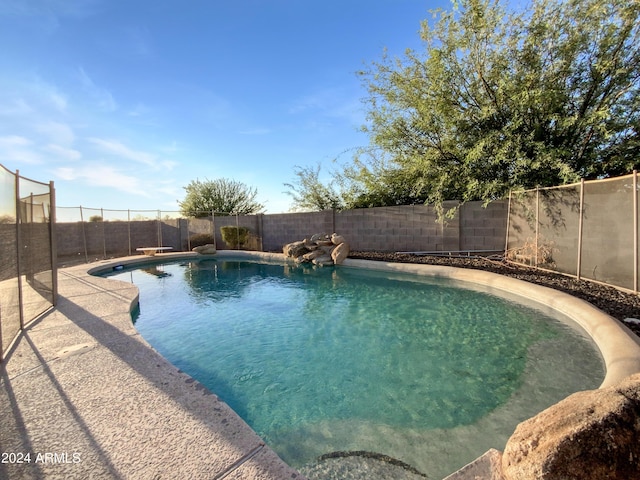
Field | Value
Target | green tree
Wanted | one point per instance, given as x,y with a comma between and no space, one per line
309,193
501,100
222,196
373,180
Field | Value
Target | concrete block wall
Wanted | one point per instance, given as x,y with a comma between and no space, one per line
283,228
36,251
69,236
109,238
483,228
211,226
393,229
116,236
8,251
408,228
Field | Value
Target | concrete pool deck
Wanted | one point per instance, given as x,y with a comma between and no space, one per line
87,397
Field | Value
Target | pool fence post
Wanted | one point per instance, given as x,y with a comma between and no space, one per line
188,237
104,235
19,248
213,228
537,225
635,231
53,243
84,236
579,262
129,229
506,241
237,232
159,217
333,220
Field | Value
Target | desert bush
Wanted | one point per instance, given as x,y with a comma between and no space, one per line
200,239
234,237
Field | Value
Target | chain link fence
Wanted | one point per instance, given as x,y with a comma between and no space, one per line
587,230
28,279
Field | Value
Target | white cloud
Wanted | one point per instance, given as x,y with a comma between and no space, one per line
331,102
60,133
15,107
138,111
24,95
102,176
48,94
67,153
14,141
103,97
170,190
58,100
66,173
18,149
169,164
170,149
120,150
117,148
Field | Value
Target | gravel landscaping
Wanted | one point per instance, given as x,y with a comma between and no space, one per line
618,304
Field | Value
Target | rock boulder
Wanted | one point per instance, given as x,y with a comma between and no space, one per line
340,253
320,249
337,239
208,249
295,249
590,435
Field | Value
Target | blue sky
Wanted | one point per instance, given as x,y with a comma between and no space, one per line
123,103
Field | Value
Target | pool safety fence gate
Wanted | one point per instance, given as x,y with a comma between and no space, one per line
587,230
28,277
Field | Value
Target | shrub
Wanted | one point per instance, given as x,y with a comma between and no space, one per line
234,237
200,239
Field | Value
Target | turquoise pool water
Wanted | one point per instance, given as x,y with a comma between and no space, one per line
341,359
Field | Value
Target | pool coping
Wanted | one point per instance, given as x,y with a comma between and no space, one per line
58,346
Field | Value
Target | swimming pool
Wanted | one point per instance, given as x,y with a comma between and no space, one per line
339,359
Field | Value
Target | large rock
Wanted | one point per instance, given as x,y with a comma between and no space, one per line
590,435
208,249
320,237
313,254
340,253
337,239
327,249
295,249
323,260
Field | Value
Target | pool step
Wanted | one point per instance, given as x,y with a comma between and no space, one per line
486,467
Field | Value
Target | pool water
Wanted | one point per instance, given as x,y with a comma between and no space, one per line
325,360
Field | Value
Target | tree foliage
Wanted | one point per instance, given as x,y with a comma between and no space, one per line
222,196
500,100
309,193
373,180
